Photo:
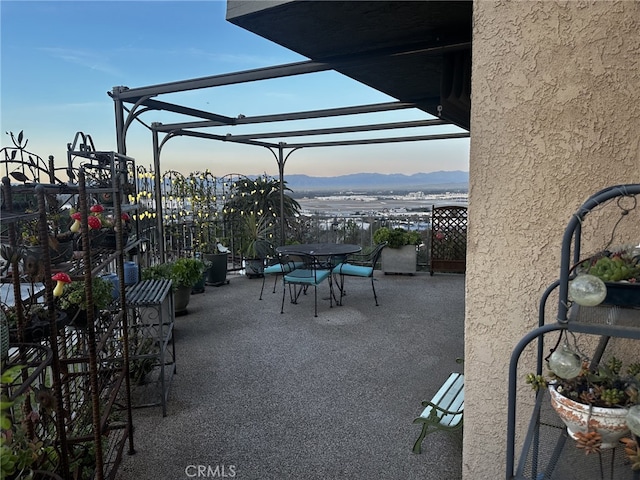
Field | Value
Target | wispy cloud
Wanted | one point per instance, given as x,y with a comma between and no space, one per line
85,58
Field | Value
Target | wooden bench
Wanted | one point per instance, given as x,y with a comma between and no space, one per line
444,411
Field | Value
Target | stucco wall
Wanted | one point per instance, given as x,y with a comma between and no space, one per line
555,118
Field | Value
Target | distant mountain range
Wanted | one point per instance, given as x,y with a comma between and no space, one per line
455,179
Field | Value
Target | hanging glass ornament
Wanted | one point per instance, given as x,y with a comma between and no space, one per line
587,290
565,363
633,420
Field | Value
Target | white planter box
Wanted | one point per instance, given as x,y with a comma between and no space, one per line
400,260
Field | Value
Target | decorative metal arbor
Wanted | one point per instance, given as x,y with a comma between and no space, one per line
144,99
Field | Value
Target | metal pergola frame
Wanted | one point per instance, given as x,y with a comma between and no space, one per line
142,100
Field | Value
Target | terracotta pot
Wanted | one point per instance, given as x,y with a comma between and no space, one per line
608,422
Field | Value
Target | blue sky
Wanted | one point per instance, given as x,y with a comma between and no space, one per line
59,60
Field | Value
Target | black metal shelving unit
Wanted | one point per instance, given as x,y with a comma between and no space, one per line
545,454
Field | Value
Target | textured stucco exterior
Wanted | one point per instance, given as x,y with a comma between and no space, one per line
555,118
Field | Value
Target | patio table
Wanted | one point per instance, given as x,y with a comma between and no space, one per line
321,249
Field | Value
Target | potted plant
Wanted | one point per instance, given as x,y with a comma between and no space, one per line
592,400
216,256
184,273
401,254
619,270
257,229
103,227
60,245
200,188
36,324
30,321
199,286
73,299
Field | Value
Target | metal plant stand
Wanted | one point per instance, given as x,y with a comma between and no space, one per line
152,361
545,453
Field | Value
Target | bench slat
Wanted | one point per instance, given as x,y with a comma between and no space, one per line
450,397
444,411
449,391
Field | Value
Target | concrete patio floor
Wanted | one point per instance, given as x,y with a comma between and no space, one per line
260,395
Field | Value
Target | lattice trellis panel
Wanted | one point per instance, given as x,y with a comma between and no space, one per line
448,239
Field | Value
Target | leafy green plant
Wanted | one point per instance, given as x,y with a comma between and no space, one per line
143,361
261,196
258,229
161,271
18,452
397,237
187,271
74,296
616,265
182,272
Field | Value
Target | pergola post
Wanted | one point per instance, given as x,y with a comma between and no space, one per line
158,191
281,162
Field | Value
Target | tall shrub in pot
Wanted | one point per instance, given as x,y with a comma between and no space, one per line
258,232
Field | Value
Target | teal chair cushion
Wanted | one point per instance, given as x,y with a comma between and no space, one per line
354,270
277,269
306,276
280,268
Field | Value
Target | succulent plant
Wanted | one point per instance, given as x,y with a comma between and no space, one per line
606,385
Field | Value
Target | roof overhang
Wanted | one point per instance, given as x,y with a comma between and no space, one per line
415,51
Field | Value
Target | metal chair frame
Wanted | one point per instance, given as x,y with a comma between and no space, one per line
276,269
359,265
305,271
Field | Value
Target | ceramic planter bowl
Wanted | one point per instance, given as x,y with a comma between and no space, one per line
608,422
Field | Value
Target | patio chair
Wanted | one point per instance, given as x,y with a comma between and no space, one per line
359,265
304,271
275,267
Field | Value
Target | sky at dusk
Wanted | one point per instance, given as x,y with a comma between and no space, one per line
59,60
